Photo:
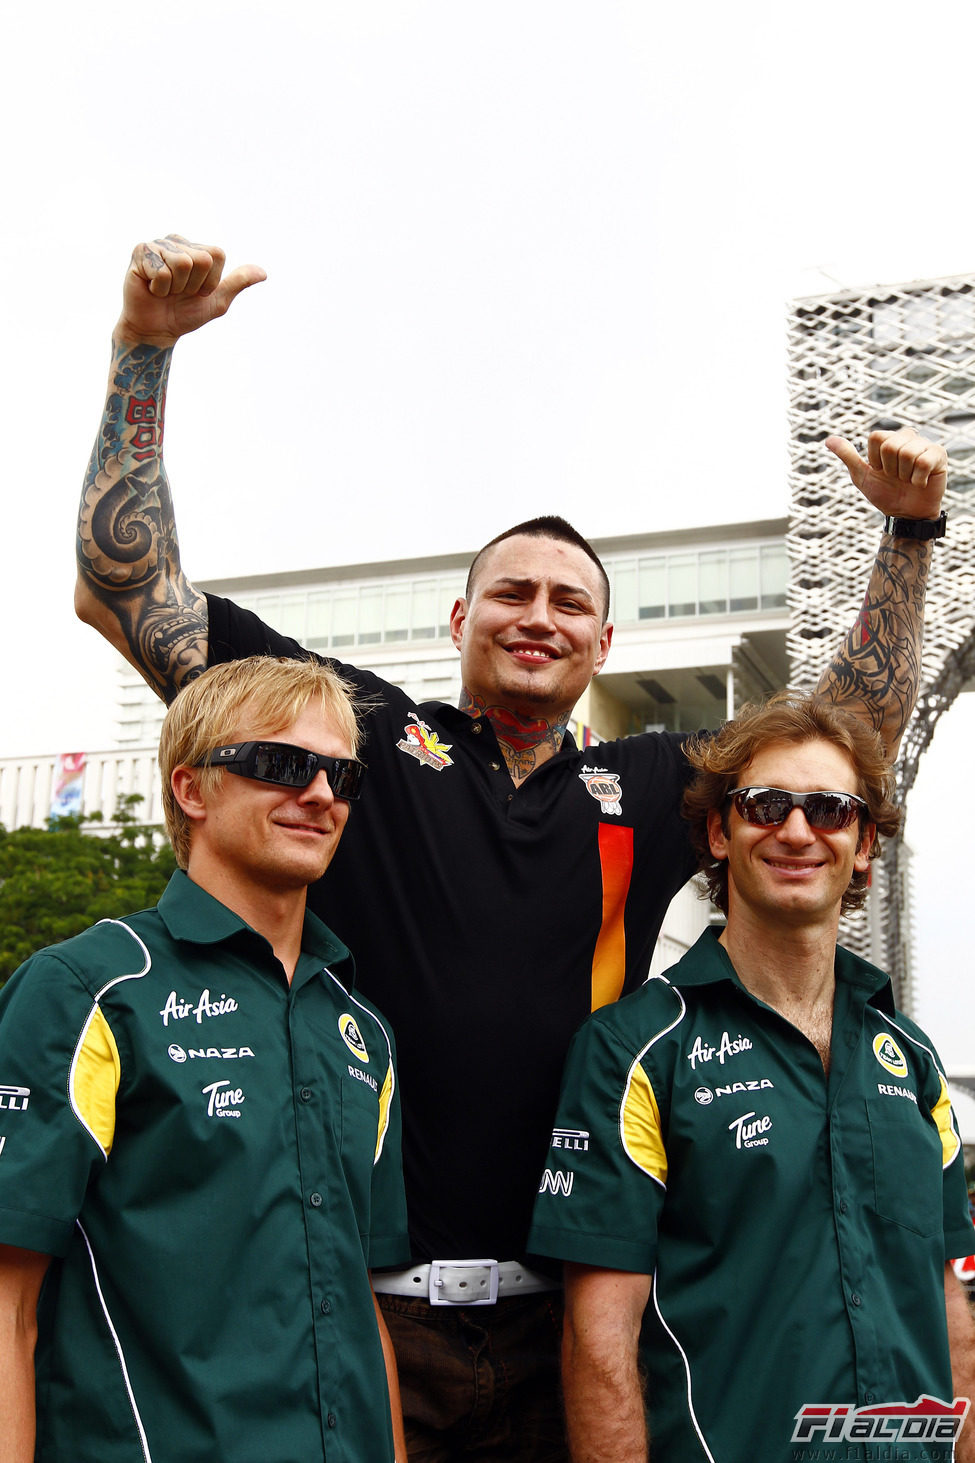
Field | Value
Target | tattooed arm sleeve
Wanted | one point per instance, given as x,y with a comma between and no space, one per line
877,672
130,584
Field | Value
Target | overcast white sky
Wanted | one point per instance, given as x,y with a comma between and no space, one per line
522,257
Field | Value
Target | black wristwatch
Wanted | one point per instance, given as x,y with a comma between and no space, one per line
920,529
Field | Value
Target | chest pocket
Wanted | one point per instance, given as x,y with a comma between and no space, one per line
907,1157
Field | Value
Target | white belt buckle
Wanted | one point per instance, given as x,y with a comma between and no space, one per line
438,1282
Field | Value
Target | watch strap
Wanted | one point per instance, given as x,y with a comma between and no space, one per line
920,529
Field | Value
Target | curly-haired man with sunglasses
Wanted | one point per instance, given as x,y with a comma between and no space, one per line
755,1163
201,1142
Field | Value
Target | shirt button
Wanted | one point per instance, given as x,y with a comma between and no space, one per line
475,729
331,1419
326,1306
855,1299
305,1094
495,766
844,1206
315,1200
869,1396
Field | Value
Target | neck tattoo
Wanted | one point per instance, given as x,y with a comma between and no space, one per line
519,737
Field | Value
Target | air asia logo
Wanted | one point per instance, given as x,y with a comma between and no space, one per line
889,1054
750,1130
728,1046
604,787
352,1036
575,1139
555,1181
927,1420
14,1099
224,1100
225,1053
424,744
176,1008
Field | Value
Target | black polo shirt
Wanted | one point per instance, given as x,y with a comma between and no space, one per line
486,922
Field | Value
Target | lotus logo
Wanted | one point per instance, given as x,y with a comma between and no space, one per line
889,1054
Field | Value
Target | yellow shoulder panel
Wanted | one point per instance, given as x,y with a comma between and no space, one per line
385,1098
950,1141
640,1126
94,1080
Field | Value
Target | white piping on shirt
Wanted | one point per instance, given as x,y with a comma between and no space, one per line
389,1051
116,980
118,1348
638,1059
687,1373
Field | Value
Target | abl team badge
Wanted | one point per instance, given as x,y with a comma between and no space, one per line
604,787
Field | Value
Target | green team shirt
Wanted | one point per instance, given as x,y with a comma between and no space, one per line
214,1159
796,1227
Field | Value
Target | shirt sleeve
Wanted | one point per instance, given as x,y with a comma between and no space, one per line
958,1229
59,1078
603,1187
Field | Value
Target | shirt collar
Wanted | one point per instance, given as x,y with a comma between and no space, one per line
190,913
707,962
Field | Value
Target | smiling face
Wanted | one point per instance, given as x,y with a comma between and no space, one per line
791,873
261,836
531,635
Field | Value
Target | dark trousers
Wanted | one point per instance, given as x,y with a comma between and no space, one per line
480,1382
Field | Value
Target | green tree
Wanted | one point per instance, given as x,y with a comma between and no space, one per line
55,882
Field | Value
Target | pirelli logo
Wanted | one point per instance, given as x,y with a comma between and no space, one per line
14,1099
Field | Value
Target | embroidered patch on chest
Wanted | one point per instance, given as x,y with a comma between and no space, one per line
604,787
424,744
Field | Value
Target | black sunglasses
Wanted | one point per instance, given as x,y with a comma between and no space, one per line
288,766
766,807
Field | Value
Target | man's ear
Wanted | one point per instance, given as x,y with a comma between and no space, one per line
186,790
605,641
457,617
862,861
717,838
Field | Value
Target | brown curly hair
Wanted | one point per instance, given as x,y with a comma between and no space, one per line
721,759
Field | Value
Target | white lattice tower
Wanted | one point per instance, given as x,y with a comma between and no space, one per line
861,359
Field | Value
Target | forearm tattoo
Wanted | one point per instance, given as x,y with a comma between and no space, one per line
128,552
877,672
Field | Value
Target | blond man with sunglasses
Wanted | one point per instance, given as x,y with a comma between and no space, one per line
755,1163
201,1144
